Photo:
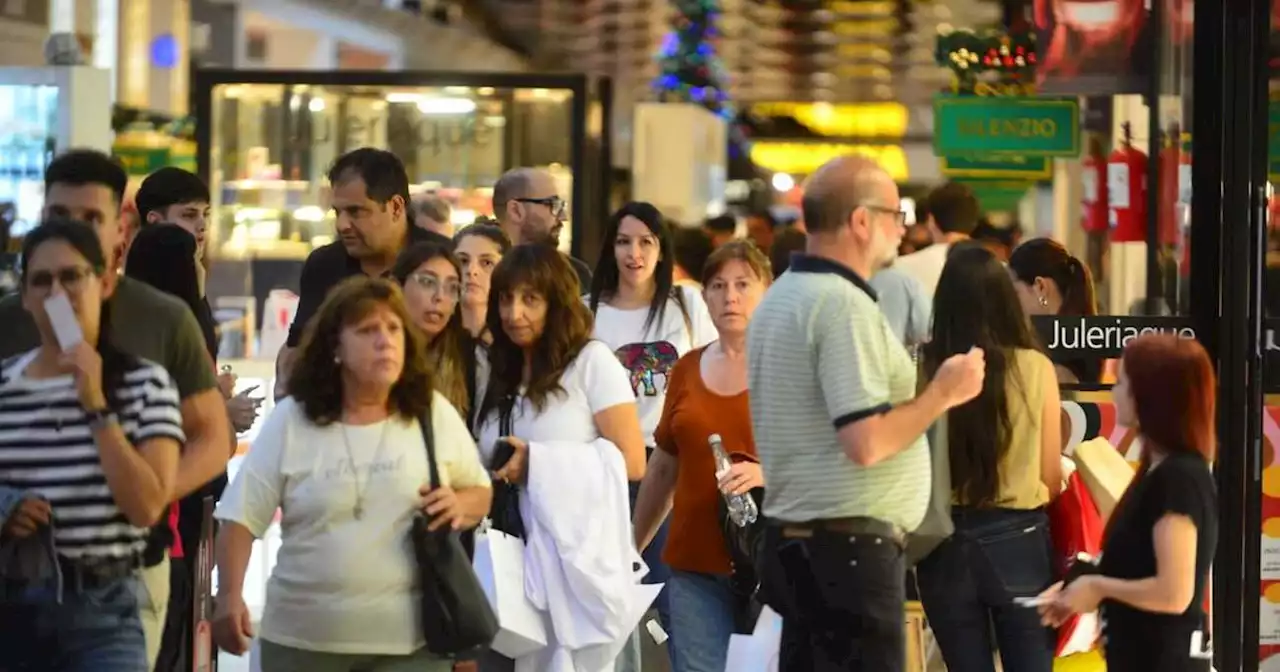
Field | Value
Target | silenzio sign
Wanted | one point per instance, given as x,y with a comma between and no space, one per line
1104,336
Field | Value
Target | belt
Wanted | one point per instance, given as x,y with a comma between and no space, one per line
88,574
850,527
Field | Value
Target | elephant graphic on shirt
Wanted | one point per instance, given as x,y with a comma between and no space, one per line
645,362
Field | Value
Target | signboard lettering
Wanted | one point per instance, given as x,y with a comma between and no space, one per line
1029,127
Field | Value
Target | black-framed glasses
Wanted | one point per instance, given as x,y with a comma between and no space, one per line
71,278
899,215
449,289
554,203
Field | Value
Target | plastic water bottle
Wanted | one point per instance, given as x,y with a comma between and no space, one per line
742,508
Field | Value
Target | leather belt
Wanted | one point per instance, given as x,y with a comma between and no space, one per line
851,527
91,574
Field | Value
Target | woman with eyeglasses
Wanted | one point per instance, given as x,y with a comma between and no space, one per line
89,440
432,282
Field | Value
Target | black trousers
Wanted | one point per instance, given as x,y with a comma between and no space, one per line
840,597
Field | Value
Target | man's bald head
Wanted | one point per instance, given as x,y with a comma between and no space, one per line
839,187
527,205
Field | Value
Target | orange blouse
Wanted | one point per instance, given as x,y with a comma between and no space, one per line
691,413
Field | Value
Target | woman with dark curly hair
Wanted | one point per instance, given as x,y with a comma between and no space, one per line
343,458
554,394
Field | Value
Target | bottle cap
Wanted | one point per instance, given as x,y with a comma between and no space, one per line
714,438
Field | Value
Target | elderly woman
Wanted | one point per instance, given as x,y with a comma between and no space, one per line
343,458
707,395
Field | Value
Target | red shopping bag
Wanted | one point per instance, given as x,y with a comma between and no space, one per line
1077,528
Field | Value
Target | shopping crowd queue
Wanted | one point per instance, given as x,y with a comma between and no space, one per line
683,428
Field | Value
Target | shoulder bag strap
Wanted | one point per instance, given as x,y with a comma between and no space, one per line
428,437
504,417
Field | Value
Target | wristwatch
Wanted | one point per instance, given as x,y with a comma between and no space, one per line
101,418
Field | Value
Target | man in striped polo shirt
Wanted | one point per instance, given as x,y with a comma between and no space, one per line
840,430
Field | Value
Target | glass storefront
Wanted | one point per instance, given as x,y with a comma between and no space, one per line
272,144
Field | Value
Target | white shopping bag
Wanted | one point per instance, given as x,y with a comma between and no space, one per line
758,651
499,564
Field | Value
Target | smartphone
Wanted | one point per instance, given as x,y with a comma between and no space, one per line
63,319
503,451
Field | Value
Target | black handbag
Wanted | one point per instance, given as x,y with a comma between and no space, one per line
456,615
743,544
504,513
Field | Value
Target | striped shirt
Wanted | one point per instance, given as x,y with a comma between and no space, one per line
821,355
47,447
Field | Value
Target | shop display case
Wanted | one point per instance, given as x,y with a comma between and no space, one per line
44,111
266,139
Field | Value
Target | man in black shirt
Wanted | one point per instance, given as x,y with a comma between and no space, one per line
371,200
529,209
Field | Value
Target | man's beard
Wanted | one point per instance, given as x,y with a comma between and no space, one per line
535,236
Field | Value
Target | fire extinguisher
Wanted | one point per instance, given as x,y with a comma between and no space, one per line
1173,162
1127,191
1093,179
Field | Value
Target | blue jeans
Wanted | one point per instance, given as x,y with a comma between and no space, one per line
95,629
968,585
701,621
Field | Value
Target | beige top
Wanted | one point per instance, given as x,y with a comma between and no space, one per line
1020,484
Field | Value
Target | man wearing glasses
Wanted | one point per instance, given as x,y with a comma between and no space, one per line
529,210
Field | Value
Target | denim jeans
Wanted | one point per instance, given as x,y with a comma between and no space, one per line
968,585
841,600
95,629
701,621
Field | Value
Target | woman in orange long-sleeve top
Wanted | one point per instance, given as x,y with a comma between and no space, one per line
707,395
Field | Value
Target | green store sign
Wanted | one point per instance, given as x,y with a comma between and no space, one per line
988,125
989,166
142,160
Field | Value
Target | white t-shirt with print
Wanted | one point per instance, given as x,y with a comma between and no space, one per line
342,584
593,382
648,355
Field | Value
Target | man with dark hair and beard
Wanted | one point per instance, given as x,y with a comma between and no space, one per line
529,209
370,196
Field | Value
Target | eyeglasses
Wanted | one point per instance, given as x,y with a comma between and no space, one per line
71,278
451,289
899,215
554,203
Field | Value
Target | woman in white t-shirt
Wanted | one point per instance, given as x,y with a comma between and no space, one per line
649,322
343,459
549,381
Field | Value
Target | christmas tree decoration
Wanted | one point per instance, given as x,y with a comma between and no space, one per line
1010,56
689,70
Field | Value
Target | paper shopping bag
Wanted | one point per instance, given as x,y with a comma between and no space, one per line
499,564
1076,527
1106,473
759,651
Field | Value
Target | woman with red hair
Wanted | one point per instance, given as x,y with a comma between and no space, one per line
1160,541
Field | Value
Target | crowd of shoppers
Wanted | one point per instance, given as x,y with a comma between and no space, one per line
550,393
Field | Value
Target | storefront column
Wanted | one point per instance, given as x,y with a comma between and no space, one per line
1229,177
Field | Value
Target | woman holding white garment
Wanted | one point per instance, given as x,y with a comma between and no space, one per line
344,459
549,381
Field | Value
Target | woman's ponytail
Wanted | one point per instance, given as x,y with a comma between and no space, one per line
1078,294
115,363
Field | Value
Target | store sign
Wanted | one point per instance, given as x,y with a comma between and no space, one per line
141,160
988,166
1273,140
1102,336
437,134
966,125
25,11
